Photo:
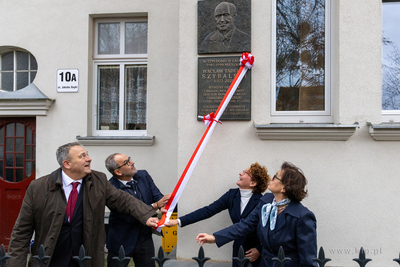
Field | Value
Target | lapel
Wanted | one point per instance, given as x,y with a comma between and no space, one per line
87,187
236,207
253,201
141,185
293,209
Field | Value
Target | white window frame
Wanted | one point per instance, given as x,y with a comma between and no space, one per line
122,60
303,116
390,115
15,71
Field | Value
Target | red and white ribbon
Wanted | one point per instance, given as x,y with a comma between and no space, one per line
209,118
246,62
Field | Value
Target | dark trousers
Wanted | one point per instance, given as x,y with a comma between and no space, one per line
141,255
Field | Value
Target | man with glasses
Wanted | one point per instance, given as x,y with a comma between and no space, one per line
124,229
65,209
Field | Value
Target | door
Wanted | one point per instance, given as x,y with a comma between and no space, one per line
17,169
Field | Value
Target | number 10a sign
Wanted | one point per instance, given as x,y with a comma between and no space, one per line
67,80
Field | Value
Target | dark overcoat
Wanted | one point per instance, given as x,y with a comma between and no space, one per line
295,231
43,210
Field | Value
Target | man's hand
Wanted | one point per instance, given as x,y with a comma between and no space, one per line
152,222
205,238
171,223
163,201
253,254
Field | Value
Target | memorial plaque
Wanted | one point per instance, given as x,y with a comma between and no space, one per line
215,75
223,26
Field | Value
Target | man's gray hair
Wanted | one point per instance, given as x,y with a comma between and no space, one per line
231,7
62,152
111,165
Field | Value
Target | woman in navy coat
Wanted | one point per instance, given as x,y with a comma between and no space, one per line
280,220
239,202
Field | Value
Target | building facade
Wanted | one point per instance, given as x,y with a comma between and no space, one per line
122,76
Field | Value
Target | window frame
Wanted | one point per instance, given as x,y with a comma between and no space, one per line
122,60
390,115
325,116
15,69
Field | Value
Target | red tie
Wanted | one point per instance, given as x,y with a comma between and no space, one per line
72,201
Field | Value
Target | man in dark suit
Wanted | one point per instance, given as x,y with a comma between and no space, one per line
124,229
65,209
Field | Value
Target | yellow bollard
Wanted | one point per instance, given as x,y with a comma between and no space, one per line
170,235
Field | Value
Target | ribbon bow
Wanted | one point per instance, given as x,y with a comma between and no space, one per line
209,118
247,60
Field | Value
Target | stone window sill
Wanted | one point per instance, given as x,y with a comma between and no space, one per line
304,132
385,131
116,140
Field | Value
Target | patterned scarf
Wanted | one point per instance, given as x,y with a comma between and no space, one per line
271,211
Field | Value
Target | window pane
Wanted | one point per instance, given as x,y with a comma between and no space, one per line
28,169
28,136
9,160
10,144
34,65
20,130
7,61
22,80
10,175
109,38
2,135
19,144
19,160
19,175
391,56
1,169
1,153
33,75
10,130
28,151
136,38
108,92
22,60
135,97
7,81
300,55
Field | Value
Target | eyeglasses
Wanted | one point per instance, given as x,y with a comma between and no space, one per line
83,155
276,177
126,162
247,173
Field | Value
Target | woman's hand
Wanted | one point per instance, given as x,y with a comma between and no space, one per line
171,223
205,238
253,254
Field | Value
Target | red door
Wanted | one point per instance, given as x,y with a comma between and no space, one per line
17,169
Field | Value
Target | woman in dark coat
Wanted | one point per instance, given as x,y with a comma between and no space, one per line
280,220
239,202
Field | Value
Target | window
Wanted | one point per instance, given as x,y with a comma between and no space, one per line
17,69
301,89
390,61
17,152
120,71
